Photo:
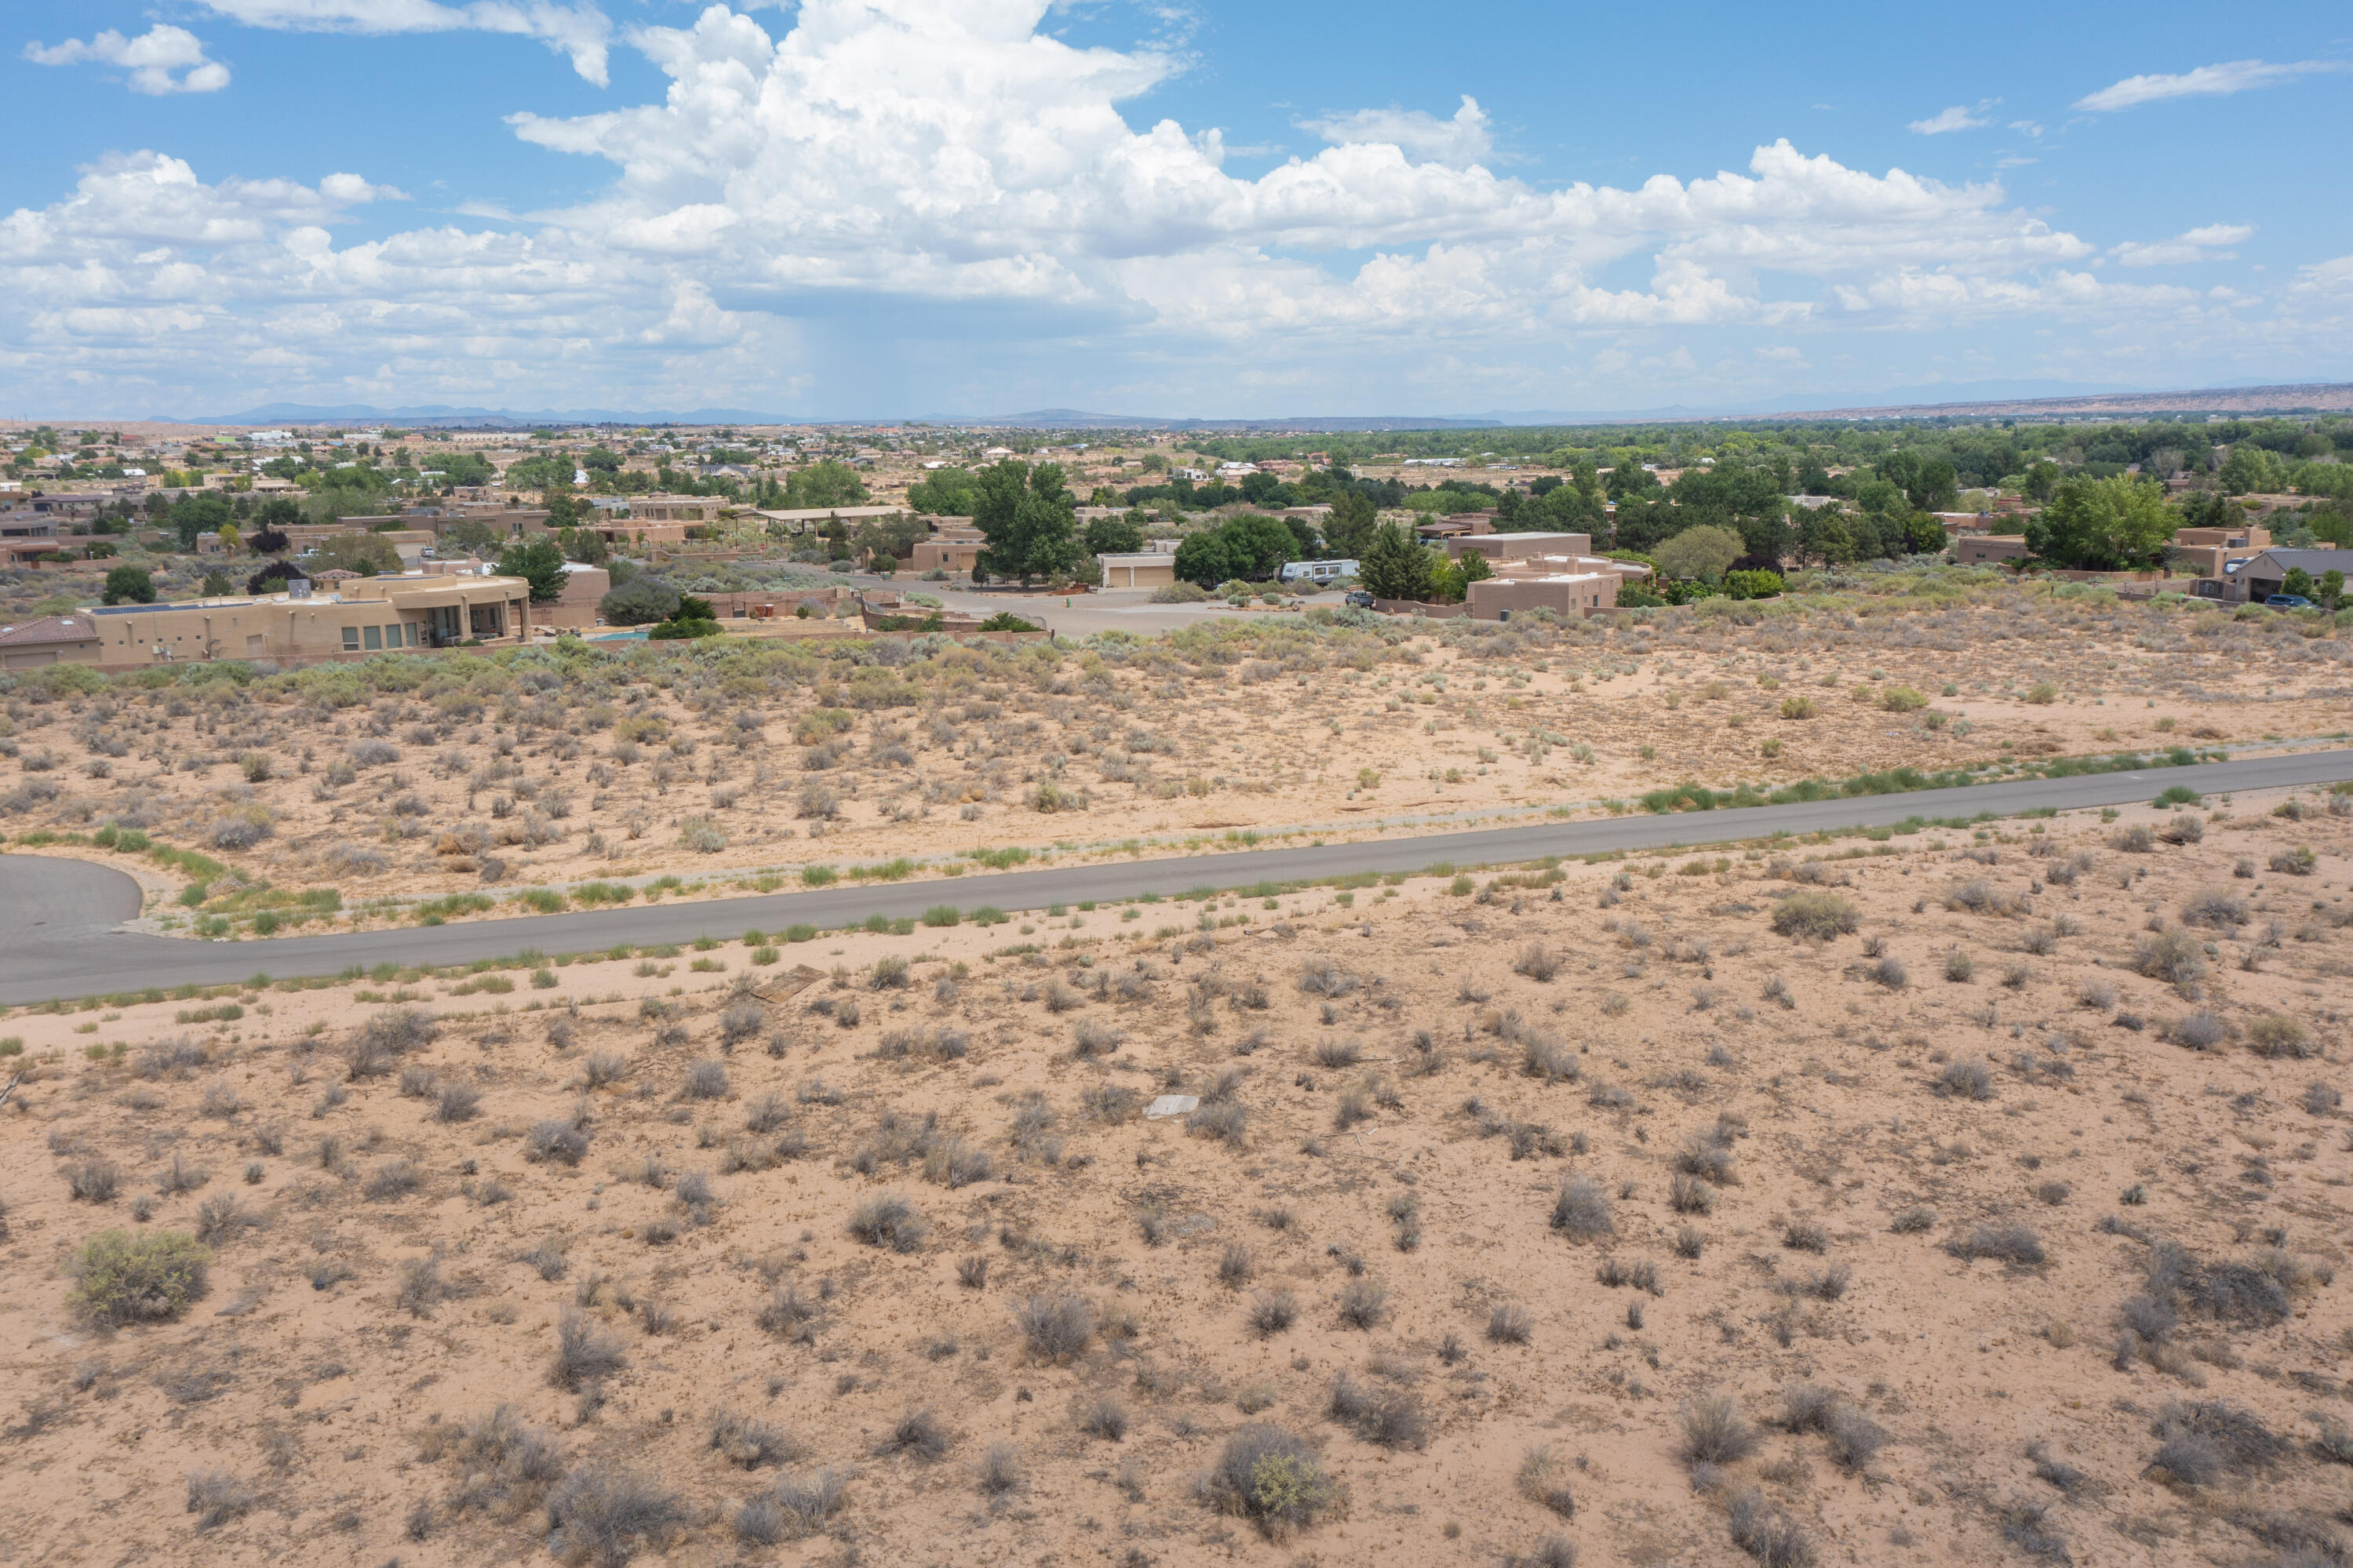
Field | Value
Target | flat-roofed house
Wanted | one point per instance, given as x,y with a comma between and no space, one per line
356,615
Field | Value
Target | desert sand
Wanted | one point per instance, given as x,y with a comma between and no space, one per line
462,786
1967,1195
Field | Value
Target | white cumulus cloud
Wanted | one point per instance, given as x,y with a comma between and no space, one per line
2232,76
581,33
943,170
152,58
1960,117
2209,243
1460,141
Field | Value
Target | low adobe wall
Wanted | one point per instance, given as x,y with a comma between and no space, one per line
1426,611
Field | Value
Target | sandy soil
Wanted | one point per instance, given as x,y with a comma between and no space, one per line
729,769
1624,1024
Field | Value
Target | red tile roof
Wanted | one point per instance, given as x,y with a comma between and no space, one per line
50,629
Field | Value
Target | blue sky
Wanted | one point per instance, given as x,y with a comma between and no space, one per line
924,206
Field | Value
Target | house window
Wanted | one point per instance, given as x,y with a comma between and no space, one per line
374,636
351,639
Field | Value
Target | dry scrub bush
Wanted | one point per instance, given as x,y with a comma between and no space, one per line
1715,1432
1767,1534
1388,1418
604,1515
1580,1211
216,1497
886,1219
1542,1478
499,1459
1967,1078
918,1434
94,1180
1104,1417
122,1277
1268,1475
2202,1442
1537,962
2277,1035
1981,897
1510,1325
1273,1311
749,1443
2010,1243
2171,956
582,1355
796,1507
1820,916
560,1140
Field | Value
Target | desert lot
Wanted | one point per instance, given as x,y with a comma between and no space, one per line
385,791
1972,1196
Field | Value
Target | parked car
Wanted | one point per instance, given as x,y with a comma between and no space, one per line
2288,602
1360,600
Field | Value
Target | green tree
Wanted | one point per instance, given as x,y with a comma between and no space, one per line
1704,553
217,584
945,492
365,554
1350,527
1203,558
129,586
1027,518
2042,481
1394,565
826,483
205,512
585,545
1258,546
1450,580
642,602
473,534
278,512
538,562
1929,482
2205,508
1826,535
1114,536
2248,468
2332,587
563,511
1923,534
2101,525
2297,582
1570,508
1630,478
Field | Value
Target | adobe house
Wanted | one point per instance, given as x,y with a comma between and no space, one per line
353,616
51,639
1566,594
1990,549
1511,546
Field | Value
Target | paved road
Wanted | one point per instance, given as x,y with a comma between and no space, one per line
55,916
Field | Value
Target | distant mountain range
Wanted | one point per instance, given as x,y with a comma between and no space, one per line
438,413
1981,399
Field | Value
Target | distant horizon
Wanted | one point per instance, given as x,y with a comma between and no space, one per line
1897,402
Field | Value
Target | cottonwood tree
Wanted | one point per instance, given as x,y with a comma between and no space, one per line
538,562
1026,517
2102,525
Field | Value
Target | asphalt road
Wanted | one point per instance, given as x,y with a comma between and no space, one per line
58,916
